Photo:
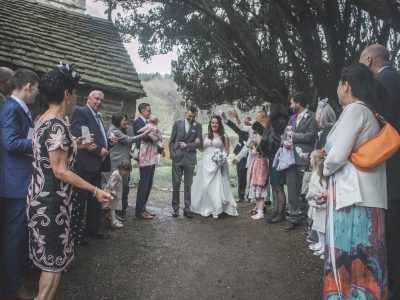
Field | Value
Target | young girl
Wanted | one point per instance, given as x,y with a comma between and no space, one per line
114,186
258,179
155,132
317,196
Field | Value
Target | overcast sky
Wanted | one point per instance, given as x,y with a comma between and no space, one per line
159,63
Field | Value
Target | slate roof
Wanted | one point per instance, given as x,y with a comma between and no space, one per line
37,36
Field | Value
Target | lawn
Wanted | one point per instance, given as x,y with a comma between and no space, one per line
163,176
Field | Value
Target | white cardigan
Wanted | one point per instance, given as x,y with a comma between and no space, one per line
355,125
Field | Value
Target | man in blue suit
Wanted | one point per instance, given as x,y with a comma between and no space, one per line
16,128
89,165
147,172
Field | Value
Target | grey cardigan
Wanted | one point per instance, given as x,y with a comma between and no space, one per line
355,125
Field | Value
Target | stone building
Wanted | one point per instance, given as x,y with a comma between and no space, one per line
37,35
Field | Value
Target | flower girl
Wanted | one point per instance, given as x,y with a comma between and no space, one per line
257,180
317,197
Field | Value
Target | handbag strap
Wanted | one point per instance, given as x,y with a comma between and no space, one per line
375,113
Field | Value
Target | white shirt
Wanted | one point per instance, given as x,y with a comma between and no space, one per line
187,125
23,105
103,132
384,67
143,119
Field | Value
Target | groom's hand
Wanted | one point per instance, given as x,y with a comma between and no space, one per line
182,145
198,141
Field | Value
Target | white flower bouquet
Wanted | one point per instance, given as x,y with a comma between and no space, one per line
219,158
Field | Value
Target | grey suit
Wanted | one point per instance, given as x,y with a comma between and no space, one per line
183,161
304,136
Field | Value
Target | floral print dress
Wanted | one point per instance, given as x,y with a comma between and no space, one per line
49,200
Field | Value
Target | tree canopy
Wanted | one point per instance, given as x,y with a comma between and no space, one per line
256,51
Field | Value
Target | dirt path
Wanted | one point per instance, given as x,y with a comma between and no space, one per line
202,258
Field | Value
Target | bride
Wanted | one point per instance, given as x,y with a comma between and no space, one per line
211,190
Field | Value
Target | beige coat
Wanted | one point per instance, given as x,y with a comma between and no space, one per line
355,125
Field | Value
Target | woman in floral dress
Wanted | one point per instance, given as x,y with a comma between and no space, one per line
49,198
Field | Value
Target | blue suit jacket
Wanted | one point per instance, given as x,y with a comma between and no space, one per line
137,125
15,161
89,161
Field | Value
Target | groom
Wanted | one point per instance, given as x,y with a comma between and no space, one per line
186,137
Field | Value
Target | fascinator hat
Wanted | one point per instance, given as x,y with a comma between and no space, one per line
69,72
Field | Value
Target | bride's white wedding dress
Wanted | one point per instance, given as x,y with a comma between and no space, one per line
211,189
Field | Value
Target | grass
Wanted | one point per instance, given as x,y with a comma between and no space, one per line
163,176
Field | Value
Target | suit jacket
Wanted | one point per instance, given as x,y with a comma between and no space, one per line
15,150
389,108
89,161
243,137
356,124
304,136
178,134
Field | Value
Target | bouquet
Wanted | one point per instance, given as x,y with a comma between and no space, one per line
219,158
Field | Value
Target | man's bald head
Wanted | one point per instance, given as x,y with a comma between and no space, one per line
95,100
5,80
375,56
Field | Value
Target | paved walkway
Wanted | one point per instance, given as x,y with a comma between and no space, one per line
202,258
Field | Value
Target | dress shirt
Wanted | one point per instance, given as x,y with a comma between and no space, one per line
100,123
300,116
23,105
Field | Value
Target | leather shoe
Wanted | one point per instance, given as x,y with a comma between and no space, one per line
149,213
22,294
99,235
188,214
144,216
275,220
175,214
291,226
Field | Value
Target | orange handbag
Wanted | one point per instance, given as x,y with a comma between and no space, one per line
378,148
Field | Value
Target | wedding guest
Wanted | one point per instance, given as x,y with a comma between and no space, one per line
49,200
89,165
5,84
115,187
147,162
121,152
186,138
357,199
154,131
16,127
270,142
316,197
257,180
211,189
239,161
303,136
376,57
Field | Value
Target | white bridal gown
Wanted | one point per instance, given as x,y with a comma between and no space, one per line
211,189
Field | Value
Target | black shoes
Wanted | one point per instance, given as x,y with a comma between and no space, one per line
188,214
175,214
275,220
99,235
291,226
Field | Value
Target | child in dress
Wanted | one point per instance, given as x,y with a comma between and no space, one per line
155,132
114,186
258,179
317,198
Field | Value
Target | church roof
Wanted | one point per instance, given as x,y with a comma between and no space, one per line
38,36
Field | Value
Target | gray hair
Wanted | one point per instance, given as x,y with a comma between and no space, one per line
327,116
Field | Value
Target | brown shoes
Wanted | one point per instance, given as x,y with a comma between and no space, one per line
22,294
149,213
143,215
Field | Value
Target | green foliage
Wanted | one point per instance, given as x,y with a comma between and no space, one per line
257,51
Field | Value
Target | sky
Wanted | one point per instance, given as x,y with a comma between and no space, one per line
159,63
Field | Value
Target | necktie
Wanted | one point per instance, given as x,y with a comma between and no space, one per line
298,120
101,128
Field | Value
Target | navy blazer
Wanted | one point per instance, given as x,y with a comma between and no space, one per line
15,150
137,125
89,161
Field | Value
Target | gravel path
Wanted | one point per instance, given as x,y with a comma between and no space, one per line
201,258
